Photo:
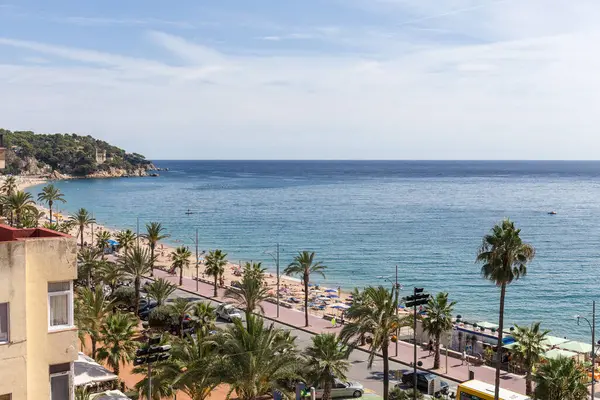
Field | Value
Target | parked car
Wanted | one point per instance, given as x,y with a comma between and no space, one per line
424,379
227,312
144,308
343,389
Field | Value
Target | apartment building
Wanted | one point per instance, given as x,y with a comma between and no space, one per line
38,339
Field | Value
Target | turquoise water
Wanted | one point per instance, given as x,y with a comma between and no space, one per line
363,218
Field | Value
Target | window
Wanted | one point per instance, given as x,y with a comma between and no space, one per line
5,396
3,324
466,396
60,304
60,382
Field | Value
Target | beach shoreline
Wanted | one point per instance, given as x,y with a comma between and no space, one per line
291,288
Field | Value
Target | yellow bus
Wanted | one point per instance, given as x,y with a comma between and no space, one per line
477,390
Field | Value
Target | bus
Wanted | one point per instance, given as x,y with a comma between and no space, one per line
477,390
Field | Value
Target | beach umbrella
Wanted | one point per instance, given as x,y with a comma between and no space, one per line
333,296
330,290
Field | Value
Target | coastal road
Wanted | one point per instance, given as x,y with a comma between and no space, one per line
370,378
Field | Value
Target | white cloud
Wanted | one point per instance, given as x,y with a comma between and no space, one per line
532,94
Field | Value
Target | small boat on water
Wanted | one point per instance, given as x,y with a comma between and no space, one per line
189,212
552,213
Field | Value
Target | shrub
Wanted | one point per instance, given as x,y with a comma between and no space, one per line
398,394
124,295
162,318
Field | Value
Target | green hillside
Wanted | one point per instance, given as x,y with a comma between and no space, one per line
66,153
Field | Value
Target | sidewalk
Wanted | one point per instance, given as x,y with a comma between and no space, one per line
295,319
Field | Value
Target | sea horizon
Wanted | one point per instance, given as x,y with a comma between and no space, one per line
362,217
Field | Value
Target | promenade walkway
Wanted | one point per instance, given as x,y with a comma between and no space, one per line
295,318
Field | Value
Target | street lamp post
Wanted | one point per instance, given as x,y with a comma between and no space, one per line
276,258
592,326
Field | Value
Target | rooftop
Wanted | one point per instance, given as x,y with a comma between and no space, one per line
8,234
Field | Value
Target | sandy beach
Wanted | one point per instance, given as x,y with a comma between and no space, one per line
322,299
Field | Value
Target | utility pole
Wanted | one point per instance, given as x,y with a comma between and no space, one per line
417,299
197,276
593,346
397,328
592,326
277,264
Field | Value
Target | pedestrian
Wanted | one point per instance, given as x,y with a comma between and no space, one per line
343,320
333,322
430,347
463,358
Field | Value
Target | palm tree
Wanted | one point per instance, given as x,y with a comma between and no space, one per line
193,368
87,261
82,219
117,335
255,357
94,309
251,291
327,360
375,315
304,265
126,239
504,257
181,258
102,241
9,186
438,320
561,379
160,290
137,262
203,317
181,308
49,195
31,218
529,349
154,233
82,393
215,265
111,274
20,203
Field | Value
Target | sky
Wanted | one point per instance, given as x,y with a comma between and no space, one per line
308,79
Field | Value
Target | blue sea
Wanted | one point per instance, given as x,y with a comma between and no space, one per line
363,218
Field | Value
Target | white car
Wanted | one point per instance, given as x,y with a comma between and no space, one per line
228,312
343,389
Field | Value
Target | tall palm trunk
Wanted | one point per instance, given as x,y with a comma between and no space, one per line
81,231
216,277
89,281
436,359
117,369
326,391
306,300
528,388
18,219
181,275
50,208
94,342
136,284
386,369
500,329
152,261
